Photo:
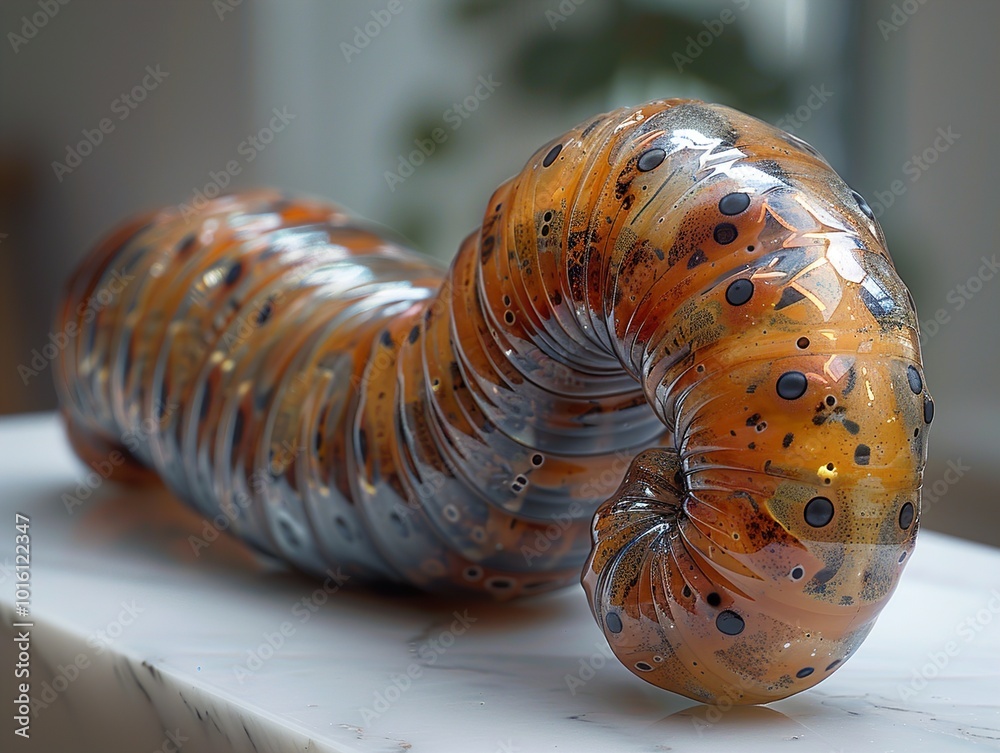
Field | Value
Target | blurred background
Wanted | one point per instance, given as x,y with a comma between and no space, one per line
108,108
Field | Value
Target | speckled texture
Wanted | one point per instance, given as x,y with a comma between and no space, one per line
747,560
676,285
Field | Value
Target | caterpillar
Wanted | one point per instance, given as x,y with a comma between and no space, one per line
676,354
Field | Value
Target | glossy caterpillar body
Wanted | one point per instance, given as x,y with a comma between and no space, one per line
676,298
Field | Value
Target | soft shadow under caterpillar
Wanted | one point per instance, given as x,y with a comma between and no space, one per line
676,283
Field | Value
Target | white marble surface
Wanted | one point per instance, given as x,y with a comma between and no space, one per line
164,639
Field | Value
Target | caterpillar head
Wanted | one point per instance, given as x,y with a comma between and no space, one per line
749,289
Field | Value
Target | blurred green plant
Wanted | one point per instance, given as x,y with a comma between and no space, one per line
568,58
562,54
